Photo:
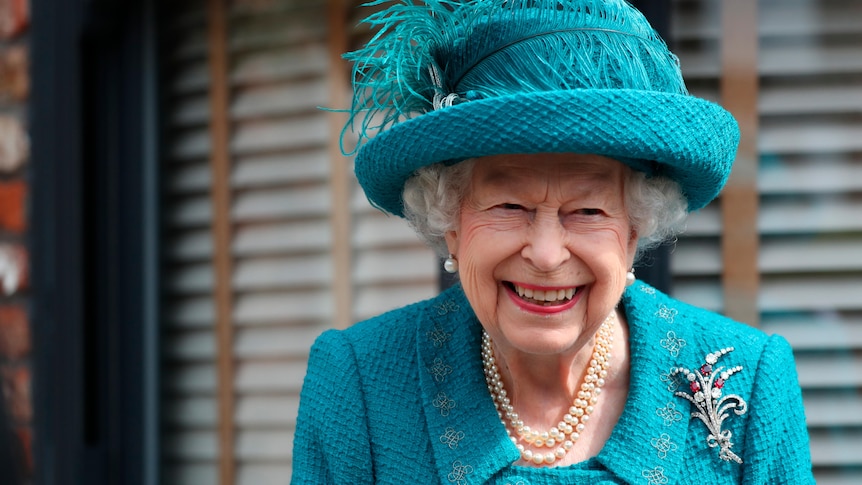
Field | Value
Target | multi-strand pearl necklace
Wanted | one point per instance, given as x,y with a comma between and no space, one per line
561,438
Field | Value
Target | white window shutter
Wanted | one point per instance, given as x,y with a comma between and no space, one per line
282,240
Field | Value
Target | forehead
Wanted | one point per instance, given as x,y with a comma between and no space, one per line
520,170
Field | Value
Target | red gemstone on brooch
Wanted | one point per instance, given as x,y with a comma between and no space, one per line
719,383
695,386
706,369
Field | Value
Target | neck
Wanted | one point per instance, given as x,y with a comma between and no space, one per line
544,392
540,380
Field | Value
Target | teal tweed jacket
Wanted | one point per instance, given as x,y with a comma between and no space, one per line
401,399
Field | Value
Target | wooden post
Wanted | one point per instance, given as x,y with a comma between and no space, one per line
740,199
342,286
220,165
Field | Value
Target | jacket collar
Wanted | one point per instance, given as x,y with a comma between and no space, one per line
468,441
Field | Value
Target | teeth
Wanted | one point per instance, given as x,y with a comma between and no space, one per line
546,296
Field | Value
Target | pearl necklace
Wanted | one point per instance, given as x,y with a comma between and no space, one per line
563,436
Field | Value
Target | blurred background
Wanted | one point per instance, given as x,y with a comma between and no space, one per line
177,223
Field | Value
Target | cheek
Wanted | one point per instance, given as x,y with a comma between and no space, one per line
611,255
481,249
477,259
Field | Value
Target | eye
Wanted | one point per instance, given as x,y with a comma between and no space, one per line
511,207
589,212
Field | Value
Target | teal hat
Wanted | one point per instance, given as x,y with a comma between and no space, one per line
447,80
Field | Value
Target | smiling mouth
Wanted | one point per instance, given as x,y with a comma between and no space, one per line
544,297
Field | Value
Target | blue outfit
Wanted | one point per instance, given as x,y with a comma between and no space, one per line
401,399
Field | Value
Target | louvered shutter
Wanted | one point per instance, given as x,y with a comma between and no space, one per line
282,236
810,219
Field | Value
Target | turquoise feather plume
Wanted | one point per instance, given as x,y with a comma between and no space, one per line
438,53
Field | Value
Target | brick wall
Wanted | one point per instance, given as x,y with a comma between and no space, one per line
15,341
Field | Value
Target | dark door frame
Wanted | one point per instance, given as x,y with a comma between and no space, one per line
93,241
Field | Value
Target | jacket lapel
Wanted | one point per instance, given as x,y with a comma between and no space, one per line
468,441
647,444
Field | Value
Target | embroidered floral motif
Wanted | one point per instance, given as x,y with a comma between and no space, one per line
673,380
439,370
669,414
667,313
655,476
447,306
438,336
663,444
443,403
649,290
519,482
451,437
706,384
459,473
672,343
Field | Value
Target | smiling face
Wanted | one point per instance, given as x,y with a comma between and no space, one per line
543,244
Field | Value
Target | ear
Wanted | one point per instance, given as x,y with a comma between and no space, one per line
452,241
632,246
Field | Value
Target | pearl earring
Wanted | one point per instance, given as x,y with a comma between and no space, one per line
450,264
630,277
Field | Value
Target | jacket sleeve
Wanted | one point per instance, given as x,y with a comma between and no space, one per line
777,448
331,445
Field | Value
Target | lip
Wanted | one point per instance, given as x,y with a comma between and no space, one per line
542,309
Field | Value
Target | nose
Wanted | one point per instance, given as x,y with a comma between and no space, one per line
546,245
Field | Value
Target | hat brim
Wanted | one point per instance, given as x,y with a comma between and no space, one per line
688,139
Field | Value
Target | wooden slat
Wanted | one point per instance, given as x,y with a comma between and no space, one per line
275,307
841,449
264,474
739,201
374,300
817,174
846,475
832,408
221,222
781,254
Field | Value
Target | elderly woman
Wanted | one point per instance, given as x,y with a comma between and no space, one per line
540,146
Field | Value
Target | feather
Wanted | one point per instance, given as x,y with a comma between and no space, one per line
438,53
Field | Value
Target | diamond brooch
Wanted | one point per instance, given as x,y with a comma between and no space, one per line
712,407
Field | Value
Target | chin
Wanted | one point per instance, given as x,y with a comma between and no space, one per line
541,340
